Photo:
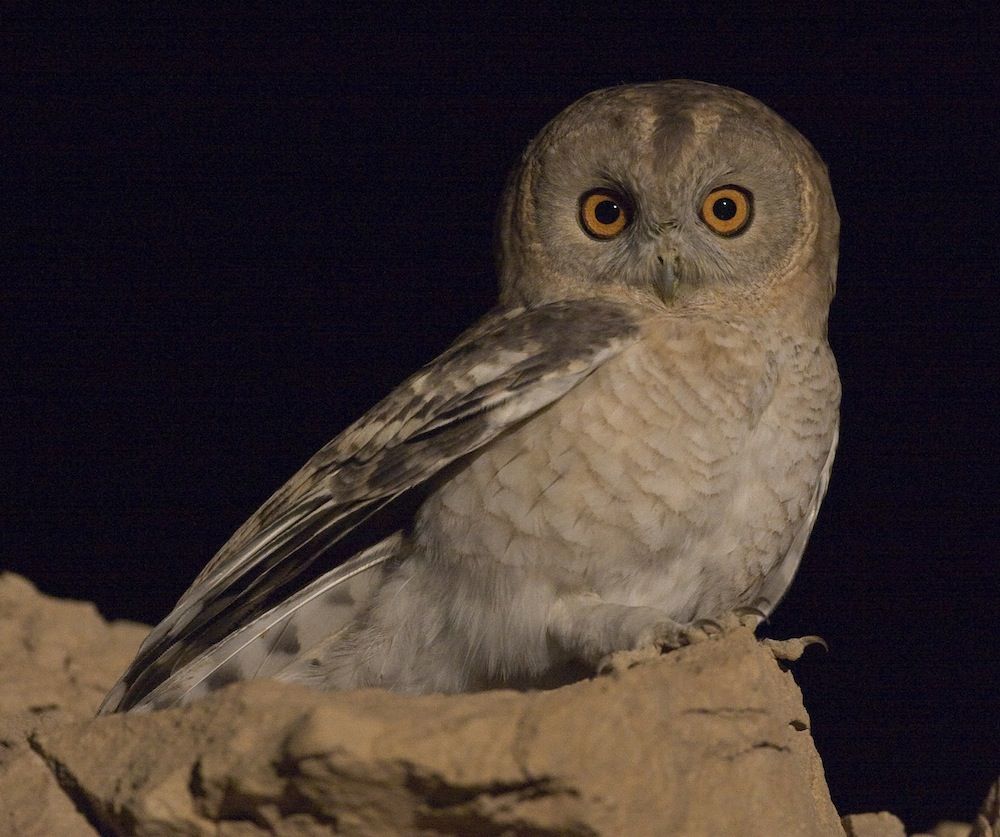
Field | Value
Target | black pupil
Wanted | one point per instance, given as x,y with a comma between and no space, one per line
607,212
724,209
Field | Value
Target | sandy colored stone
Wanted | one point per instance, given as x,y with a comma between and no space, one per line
57,658
32,803
709,740
56,655
987,823
882,824
712,739
947,828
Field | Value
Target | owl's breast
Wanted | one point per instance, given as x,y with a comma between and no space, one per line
673,476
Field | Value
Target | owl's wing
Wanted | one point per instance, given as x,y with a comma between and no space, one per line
508,367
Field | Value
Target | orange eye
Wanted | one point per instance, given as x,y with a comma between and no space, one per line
727,210
604,213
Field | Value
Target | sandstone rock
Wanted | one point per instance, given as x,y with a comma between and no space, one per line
57,659
57,656
987,823
32,803
882,824
712,739
947,828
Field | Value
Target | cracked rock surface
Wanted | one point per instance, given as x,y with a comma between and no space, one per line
711,739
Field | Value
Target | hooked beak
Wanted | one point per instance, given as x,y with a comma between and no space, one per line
667,276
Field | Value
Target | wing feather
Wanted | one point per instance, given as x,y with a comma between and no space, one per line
511,365
263,634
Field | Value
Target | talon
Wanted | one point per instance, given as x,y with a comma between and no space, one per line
816,640
618,661
752,611
708,626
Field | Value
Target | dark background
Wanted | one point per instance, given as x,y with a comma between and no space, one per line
228,237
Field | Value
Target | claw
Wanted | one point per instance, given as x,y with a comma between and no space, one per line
813,639
624,660
708,626
751,610
605,666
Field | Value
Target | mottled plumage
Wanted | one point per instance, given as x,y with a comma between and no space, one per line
639,437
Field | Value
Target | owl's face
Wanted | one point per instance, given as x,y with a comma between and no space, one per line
681,191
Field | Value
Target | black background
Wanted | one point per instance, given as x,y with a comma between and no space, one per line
228,237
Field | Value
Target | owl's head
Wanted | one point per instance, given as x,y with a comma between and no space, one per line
680,192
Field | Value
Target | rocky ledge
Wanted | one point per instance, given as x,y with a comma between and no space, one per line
712,739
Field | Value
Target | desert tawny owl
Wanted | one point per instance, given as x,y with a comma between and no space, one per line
637,438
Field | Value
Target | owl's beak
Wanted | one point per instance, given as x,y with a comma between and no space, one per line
667,275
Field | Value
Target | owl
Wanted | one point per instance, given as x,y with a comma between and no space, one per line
635,440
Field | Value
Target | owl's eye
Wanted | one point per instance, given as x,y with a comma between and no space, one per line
604,213
727,210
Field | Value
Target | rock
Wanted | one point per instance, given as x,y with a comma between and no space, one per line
882,824
57,656
947,828
32,803
711,739
987,823
57,659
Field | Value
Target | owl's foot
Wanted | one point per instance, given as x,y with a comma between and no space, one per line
786,650
614,637
667,636
655,640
